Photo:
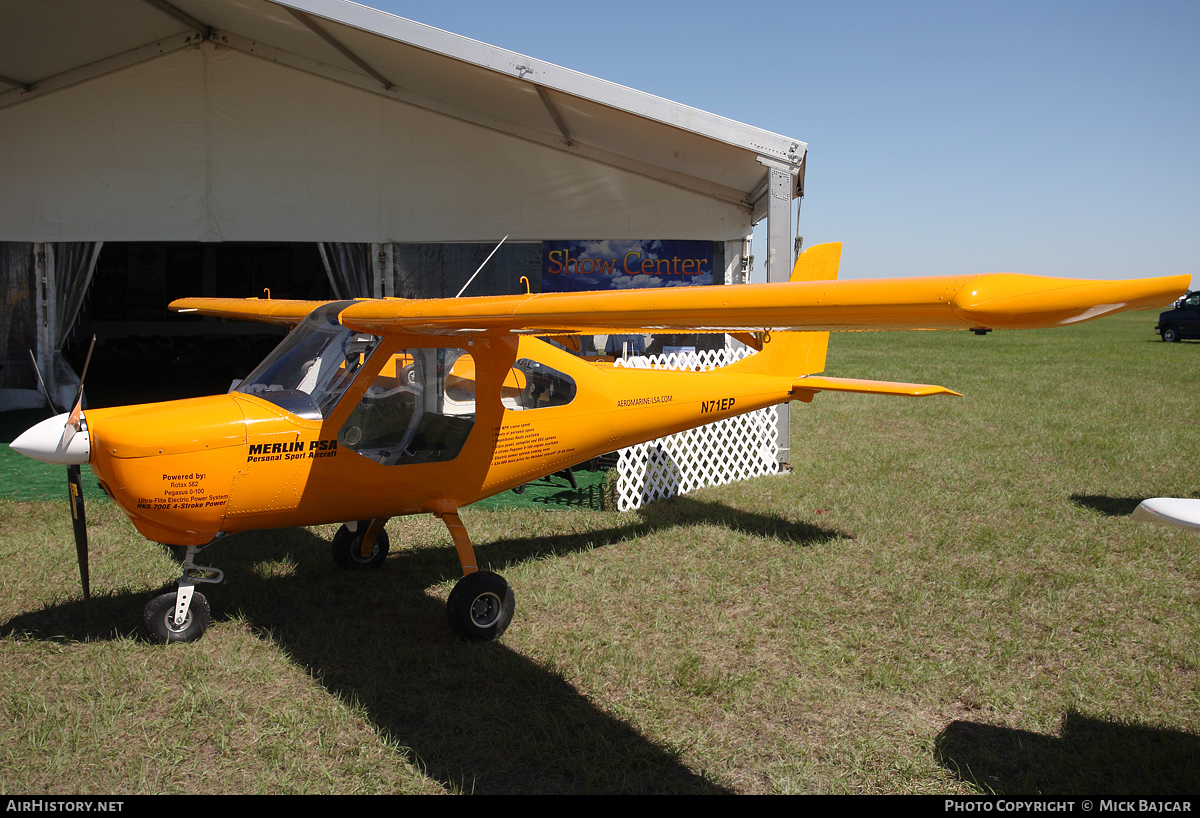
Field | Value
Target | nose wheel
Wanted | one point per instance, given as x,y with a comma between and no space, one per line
159,617
182,615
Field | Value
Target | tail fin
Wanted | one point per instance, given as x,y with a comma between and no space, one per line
792,354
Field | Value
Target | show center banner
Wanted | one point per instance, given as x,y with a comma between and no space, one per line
574,266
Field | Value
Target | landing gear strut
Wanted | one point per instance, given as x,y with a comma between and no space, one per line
181,615
159,617
481,605
362,545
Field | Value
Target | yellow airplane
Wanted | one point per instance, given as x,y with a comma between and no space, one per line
370,409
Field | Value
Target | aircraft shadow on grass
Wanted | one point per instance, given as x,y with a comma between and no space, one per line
480,717
1093,757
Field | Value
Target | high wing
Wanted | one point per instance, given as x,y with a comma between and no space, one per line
266,310
989,300
996,301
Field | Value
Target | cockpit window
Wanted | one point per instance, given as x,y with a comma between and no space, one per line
533,385
310,371
419,409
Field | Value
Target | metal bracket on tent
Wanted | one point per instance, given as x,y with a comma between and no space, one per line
554,114
311,24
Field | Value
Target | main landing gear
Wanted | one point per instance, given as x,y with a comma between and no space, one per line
361,545
181,615
481,604
479,609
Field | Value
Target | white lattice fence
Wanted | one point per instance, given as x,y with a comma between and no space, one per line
732,449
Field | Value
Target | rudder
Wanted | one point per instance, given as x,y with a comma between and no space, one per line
791,354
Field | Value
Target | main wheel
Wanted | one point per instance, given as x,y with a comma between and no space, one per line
480,606
159,617
347,548
1170,334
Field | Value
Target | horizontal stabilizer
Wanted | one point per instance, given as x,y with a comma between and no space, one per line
1175,511
804,388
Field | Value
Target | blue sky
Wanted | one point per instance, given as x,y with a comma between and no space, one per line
944,138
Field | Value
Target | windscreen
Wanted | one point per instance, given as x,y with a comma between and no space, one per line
313,366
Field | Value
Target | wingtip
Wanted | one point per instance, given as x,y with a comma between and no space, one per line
1016,301
1173,511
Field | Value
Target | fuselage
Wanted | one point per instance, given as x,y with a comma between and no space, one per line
400,438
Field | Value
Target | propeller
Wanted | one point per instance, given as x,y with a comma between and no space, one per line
75,419
74,423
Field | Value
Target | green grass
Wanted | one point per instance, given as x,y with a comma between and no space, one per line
946,596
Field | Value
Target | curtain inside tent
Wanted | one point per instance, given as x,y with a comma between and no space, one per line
18,326
68,268
74,264
430,270
348,265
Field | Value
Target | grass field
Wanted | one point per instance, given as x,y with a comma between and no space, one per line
946,596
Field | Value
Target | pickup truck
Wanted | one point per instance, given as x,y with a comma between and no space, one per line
1182,321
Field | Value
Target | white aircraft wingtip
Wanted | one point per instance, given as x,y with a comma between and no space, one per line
1176,511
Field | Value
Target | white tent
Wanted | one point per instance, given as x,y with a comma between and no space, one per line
323,120
327,121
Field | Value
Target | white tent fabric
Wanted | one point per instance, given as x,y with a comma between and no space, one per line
212,144
47,46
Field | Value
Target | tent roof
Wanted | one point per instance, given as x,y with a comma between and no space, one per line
47,45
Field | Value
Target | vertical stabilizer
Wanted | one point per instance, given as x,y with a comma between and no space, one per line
792,354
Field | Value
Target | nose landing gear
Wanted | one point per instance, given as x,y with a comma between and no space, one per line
181,615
